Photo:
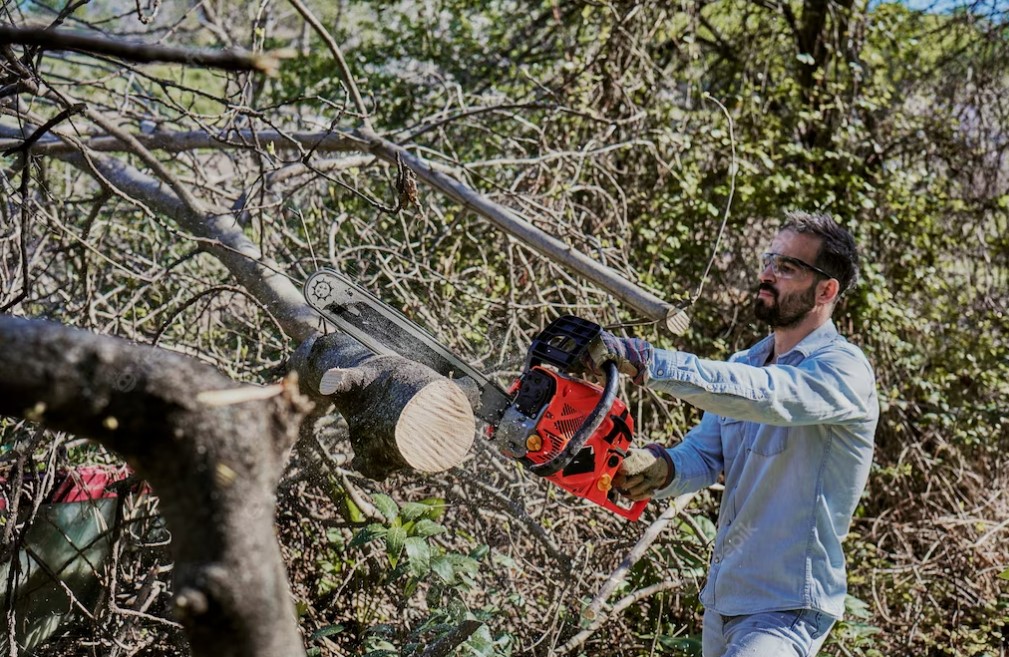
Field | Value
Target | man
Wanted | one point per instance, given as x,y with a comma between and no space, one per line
790,424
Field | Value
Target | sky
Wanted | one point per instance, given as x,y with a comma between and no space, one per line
937,6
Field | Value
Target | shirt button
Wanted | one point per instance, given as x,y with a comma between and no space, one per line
661,372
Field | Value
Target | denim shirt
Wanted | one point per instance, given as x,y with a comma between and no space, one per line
794,440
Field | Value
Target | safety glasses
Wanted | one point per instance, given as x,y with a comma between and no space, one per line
784,266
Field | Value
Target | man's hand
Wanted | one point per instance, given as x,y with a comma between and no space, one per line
633,356
643,472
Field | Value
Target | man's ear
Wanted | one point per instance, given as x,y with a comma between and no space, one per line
828,290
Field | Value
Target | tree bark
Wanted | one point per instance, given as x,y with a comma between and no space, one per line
213,460
401,414
213,450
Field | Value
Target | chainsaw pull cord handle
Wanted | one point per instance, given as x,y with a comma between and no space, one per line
592,422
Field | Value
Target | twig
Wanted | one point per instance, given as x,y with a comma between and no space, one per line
46,127
23,237
345,73
227,397
592,611
181,191
733,168
519,513
621,604
231,59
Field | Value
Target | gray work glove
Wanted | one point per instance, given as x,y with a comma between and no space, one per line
633,356
643,472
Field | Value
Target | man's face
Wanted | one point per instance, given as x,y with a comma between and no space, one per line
785,297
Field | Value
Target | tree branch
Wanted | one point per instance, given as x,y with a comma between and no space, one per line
593,612
232,59
668,316
214,467
345,74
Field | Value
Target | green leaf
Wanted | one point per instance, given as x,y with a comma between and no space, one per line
680,645
382,629
856,608
443,568
425,528
414,510
368,534
806,58
329,630
394,541
436,507
1004,574
351,512
481,642
386,505
419,554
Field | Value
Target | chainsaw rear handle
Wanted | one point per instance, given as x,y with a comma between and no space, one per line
592,422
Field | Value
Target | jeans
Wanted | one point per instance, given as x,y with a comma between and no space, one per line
796,633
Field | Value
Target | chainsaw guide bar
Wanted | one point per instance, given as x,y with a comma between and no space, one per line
385,331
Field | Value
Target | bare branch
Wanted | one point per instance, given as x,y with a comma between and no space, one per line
345,74
592,612
667,315
232,59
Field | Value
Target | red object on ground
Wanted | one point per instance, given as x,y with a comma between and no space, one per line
80,484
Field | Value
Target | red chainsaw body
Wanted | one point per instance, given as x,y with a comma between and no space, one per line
556,406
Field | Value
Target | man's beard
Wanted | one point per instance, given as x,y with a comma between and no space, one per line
787,311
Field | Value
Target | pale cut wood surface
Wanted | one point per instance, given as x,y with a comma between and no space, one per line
436,429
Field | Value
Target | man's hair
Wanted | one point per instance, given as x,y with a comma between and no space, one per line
838,254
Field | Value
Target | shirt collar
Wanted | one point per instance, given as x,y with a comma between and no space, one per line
819,337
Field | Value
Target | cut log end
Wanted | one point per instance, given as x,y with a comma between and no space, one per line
677,321
435,431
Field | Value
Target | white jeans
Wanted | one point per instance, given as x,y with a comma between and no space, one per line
796,633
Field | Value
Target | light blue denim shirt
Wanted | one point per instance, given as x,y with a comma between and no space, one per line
795,442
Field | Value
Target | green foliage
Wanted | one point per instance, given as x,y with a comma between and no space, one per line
402,558
856,631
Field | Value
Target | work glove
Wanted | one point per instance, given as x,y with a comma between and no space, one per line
644,471
633,356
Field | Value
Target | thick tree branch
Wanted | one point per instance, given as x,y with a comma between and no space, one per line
667,315
233,59
214,467
401,414
650,306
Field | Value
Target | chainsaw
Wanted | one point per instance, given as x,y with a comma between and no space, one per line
562,428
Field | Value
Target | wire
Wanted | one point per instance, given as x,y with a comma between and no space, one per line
733,169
